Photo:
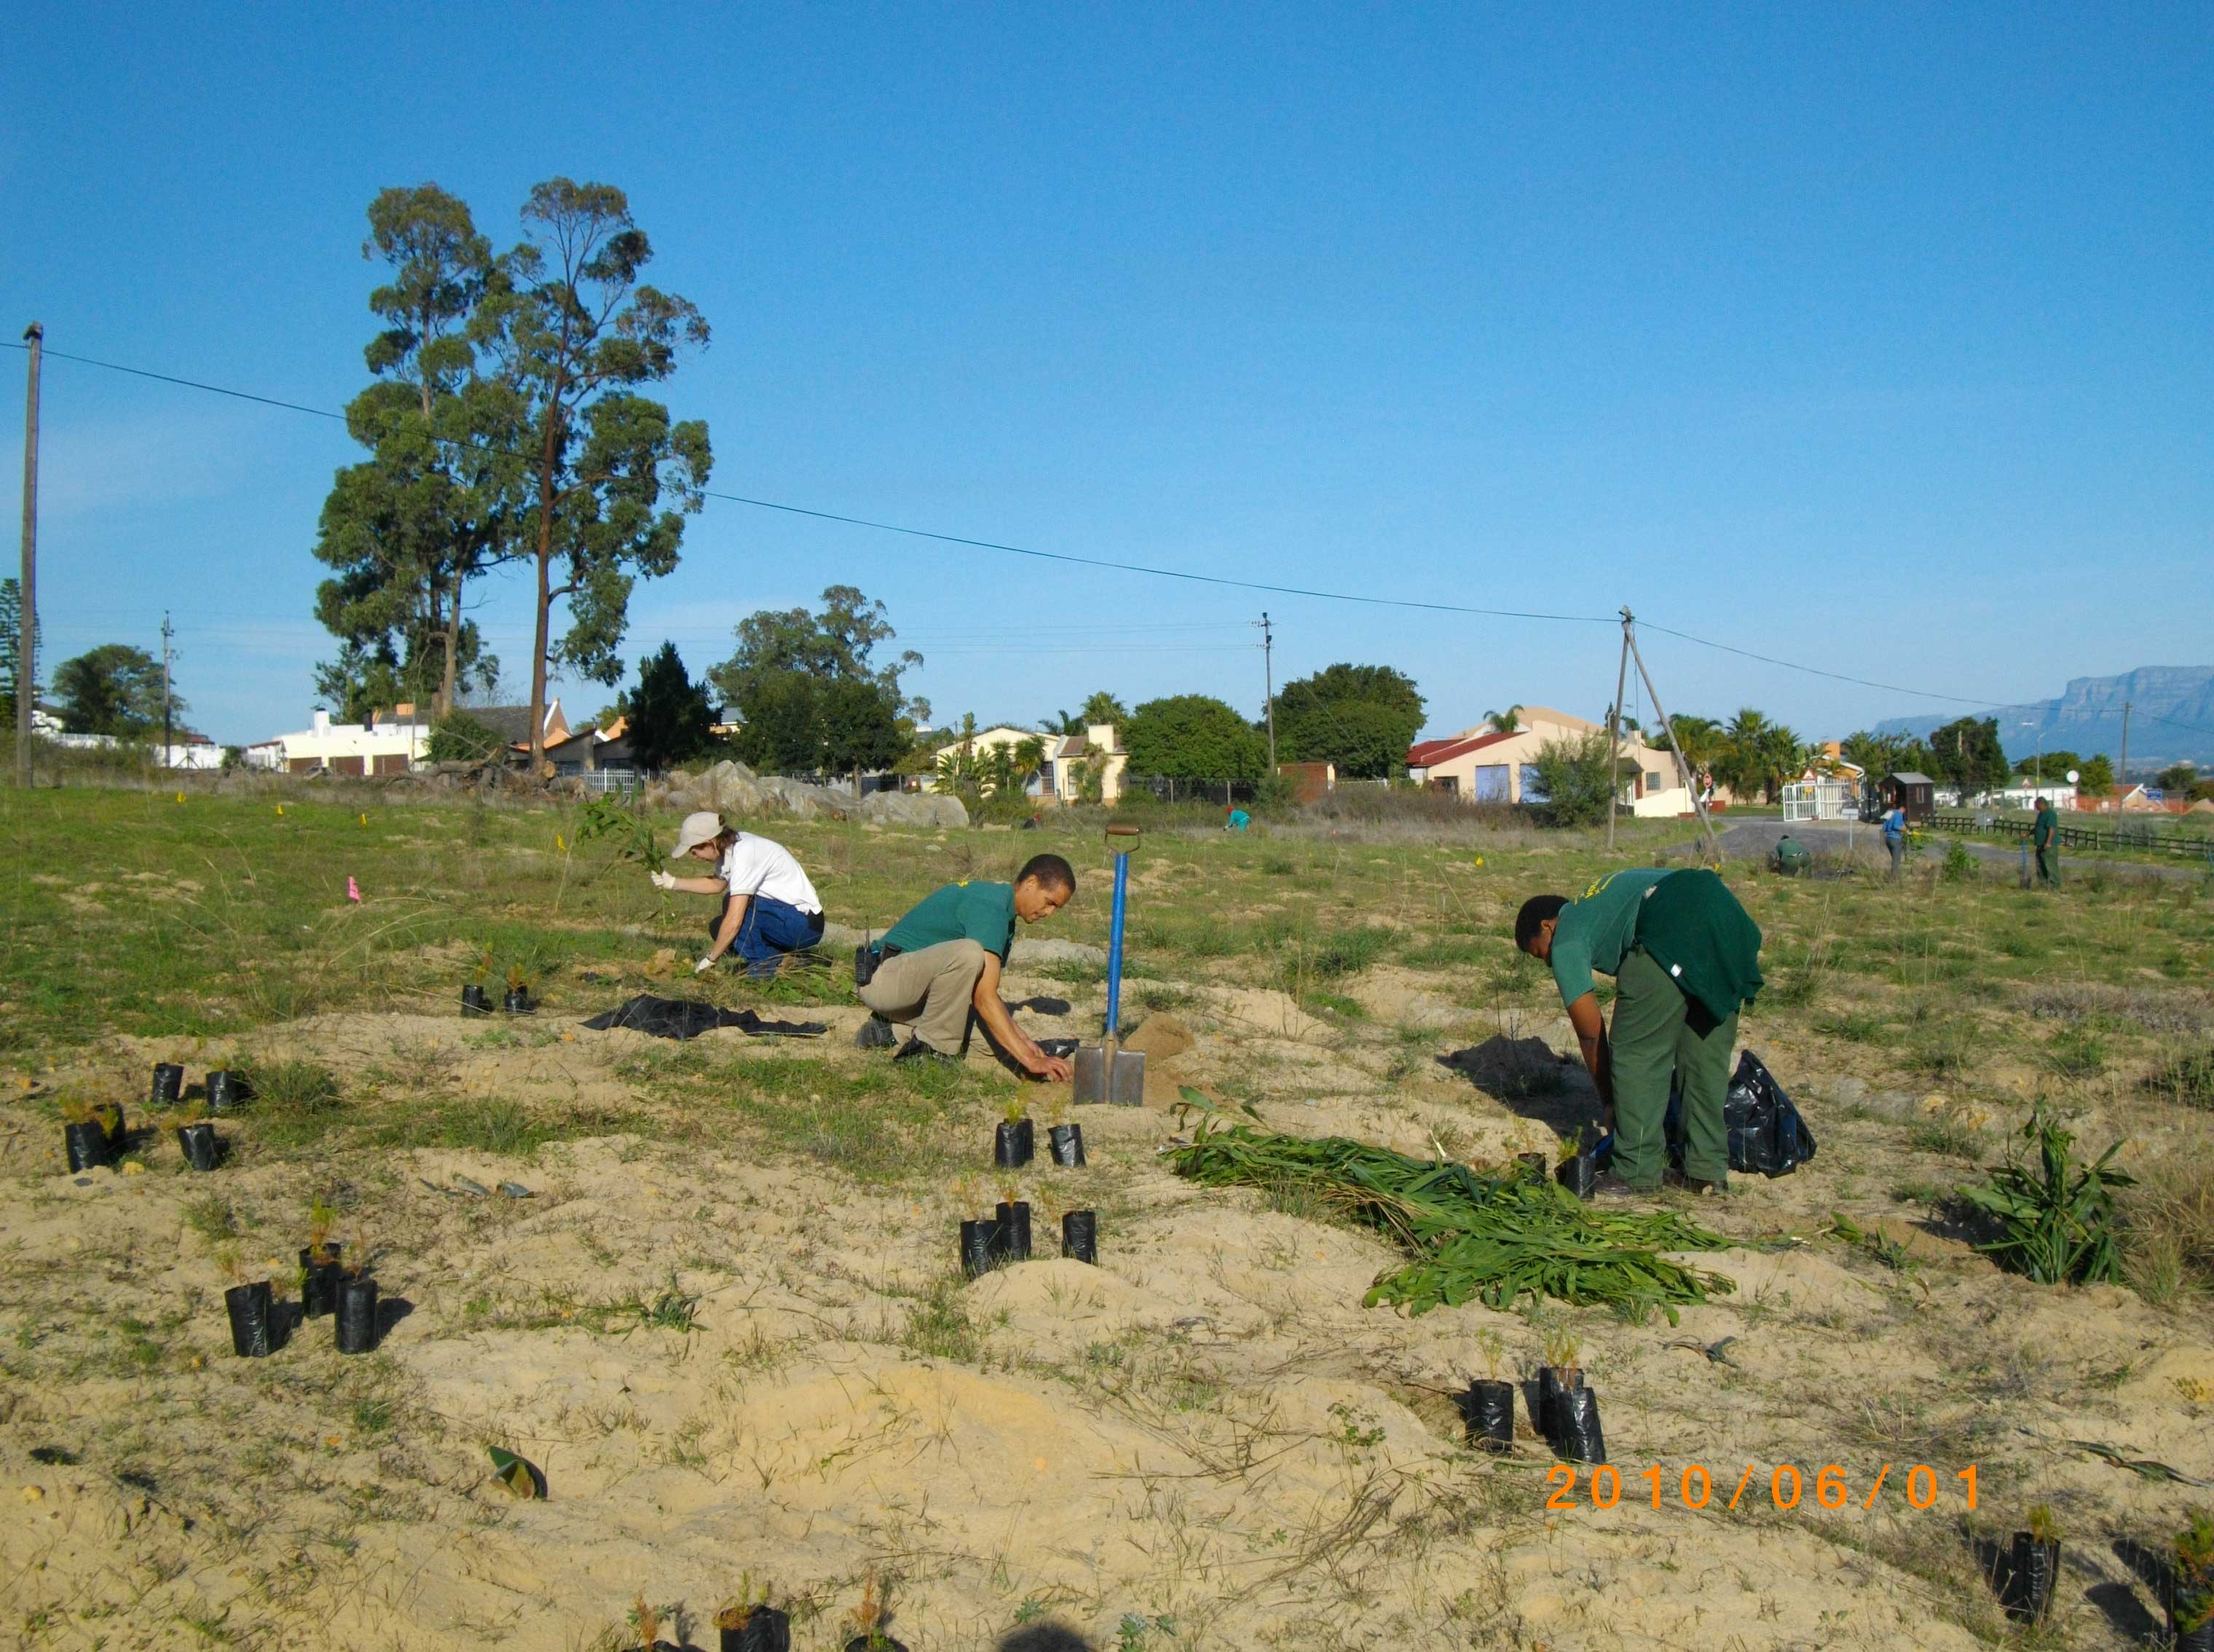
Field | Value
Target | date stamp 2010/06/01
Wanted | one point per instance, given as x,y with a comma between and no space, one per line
1784,1486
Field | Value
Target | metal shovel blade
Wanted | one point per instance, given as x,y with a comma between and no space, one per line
1104,1074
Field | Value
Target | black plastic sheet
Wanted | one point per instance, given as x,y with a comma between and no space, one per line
684,1018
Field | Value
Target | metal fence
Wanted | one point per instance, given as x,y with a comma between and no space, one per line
1170,788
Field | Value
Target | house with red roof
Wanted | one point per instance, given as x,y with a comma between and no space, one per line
1486,764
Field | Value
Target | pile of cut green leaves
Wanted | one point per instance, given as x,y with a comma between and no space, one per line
1474,1237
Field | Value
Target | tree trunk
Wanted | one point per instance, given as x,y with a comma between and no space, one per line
545,559
442,704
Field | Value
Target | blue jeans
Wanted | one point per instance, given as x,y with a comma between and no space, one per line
769,930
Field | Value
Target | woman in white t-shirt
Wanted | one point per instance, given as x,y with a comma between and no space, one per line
769,908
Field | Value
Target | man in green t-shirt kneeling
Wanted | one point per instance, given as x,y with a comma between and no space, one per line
1685,956
944,959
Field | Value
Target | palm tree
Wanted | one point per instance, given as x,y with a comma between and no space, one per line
1504,723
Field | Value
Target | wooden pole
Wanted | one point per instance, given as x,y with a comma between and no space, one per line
1613,726
1683,766
26,672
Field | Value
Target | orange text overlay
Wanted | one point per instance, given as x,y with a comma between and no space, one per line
1784,1486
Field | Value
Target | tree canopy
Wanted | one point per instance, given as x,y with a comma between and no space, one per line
1965,755
602,479
1362,718
1573,785
811,695
668,718
1192,737
11,641
431,507
114,689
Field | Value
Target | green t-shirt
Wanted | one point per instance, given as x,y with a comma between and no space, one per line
1598,931
2041,829
982,912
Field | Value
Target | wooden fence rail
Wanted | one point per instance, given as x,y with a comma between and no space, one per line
2075,837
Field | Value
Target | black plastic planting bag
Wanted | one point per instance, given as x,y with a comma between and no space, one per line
1488,1408
980,1245
356,1316
248,1307
1767,1137
681,1018
765,1629
319,1282
200,1148
1580,1439
1013,1144
1079,1236
2030,1570
86,1145
1067,1143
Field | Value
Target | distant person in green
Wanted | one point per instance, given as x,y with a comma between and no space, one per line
1685,957
1790,857
2044,838
943,960
1237,819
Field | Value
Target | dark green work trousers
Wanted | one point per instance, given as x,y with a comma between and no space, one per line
1657,1033
2048,866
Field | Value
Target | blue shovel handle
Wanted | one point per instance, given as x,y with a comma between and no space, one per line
1115,927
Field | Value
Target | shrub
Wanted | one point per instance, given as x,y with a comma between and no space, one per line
2056,1217
1576,778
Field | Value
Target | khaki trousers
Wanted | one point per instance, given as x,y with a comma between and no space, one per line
930,990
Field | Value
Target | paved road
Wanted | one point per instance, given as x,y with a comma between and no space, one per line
1754,839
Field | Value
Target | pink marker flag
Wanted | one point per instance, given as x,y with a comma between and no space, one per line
353,890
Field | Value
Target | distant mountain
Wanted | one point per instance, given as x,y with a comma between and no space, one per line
2087,718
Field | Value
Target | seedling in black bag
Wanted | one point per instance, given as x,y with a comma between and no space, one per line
1487,1407
2032,1569
247,1303
84,1133
748,1623
518,1001
1015,1140
168,1085
355,1308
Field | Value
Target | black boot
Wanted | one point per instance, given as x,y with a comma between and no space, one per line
876,1033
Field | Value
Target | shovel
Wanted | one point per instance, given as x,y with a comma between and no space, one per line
1105,1073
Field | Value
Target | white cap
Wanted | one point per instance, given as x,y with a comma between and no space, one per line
702,828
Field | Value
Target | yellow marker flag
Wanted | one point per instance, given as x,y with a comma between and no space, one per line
280,808
181,797
558,845
364,819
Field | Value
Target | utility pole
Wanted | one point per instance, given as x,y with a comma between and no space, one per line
1683,766
167,633
1614,725
2122,774
26,664
1269,685
27,668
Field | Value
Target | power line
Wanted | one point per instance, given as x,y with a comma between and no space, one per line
1185,574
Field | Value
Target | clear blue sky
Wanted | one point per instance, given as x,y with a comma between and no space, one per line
1876,336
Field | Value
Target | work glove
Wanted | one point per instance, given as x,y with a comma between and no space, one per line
703,966
664,879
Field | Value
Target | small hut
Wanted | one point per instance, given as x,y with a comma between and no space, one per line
1915,793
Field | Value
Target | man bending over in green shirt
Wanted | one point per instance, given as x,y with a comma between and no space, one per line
1685,956
944,959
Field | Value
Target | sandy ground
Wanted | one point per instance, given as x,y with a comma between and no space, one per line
1205,1441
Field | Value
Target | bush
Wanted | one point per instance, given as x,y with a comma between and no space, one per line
460,738
2055,1216
1576,778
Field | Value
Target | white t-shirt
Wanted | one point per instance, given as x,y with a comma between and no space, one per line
755,866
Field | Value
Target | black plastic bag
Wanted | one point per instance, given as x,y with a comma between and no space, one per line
1767,1135
1579,1440
681,1018
1487,1409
